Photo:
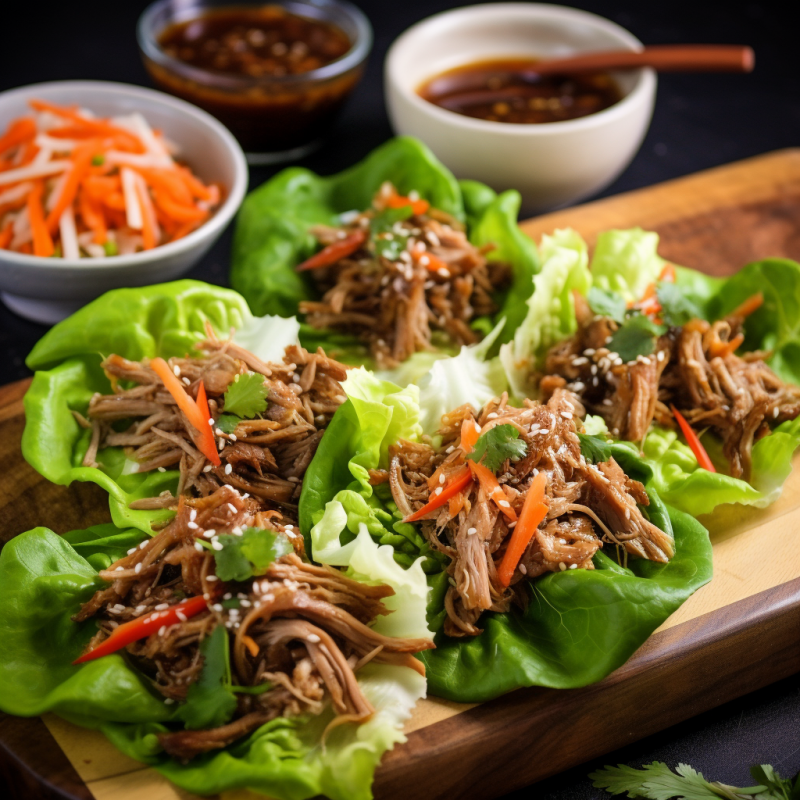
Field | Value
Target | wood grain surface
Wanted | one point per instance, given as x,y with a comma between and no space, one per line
737,634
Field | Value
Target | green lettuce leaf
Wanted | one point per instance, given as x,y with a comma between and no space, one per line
272,232
626,262
580,624
43,580
168,320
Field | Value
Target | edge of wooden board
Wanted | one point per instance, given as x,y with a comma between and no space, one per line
695,194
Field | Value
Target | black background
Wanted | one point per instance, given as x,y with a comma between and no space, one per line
700,121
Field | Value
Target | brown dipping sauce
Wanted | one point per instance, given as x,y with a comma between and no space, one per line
255,42
509,90
242,49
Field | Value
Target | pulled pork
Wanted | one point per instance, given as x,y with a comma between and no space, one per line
301,628
393,298
265,457
694,367
587,505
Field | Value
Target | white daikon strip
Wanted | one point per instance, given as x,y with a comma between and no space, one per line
133,209
69,236
95,250
87,237
55,192
42,157
147,208
15,193
136,159
54,144
22,229
31,171
128,242
171,147
138,126
47,120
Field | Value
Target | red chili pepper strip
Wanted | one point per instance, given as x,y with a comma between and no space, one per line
534,510
458,482
143,627
335,252
197,418
417,206
693,441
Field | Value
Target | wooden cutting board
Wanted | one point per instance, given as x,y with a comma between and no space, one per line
737,634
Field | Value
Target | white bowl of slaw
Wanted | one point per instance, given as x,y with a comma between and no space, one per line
49,289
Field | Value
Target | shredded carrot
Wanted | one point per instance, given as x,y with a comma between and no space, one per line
668,274
81,158
251,645
184,230
178,211
148,227
196,187
458,482
93,218
6,235
470,433
492,489
456,503
169,182
534,510
335,252
19,132
198,418
749,306
429,260
693,440
42,242
723,350
399,201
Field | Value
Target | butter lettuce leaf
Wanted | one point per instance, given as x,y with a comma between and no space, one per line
272,233
44,578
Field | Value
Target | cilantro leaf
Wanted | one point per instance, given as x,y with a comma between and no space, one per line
227,423
496,445
246,396
260,689
606,303
594,449
210,701
635,337
382,225
676,307
250,554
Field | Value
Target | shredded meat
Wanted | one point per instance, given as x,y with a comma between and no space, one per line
394,301
587,505
265,457
302,629
694,367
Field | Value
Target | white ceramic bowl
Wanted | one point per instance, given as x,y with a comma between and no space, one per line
49,289
551,164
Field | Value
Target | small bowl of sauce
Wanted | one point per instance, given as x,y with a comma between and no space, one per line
276,74
465,82
510,90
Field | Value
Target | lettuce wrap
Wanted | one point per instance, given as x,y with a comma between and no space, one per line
578,626
272,235
626,262
162,320
44,578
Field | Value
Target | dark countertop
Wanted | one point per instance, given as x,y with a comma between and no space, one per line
700,121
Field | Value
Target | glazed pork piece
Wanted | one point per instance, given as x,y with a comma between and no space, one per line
694,367
587,505
394,284
299,632
265,456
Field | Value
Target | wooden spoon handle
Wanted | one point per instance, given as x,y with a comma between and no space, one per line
664,58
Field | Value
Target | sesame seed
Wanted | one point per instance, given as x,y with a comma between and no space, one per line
233,437
577,386
162,630
218,432
313,638
444,273
193,514
198,547
437,491
211,421
132,550
562,566
776,411
220,444
216,545
120,569
217,607
424,260
161,469
186,381
492,415
450,449
207,468
504,504
168,701
566,414
161,607
579,362
573,566
471,531
181,616
212,578
593,369
228,469
177,370
512,524
661,355
589,351
193,525
138,568
523,569
232,507
441,474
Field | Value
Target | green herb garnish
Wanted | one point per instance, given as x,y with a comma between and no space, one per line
594,449
635,337
676,307
497,445
246,396
227,423
250,554
606,303
381,226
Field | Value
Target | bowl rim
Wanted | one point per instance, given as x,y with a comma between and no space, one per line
208,229
644,87
356,55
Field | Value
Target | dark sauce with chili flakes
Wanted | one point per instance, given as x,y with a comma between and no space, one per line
255,42
509,90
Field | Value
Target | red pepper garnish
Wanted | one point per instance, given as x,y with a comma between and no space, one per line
143,627
417,206
693,441
335,252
